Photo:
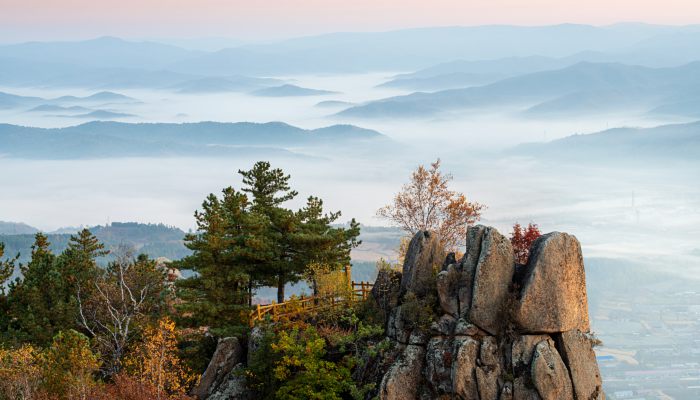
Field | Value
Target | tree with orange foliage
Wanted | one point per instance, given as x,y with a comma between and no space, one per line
155,361
426,203
521,239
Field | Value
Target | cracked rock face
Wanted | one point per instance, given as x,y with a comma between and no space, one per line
579,356
549,374
498,335
492,279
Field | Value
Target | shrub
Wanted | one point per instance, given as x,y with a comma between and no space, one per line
293,364
19,373
521,239
155,361
418,312
68,366
304,372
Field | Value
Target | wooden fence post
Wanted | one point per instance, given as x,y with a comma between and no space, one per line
348,277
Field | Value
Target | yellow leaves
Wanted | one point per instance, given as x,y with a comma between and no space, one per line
63,370
329,281
19,372
155,361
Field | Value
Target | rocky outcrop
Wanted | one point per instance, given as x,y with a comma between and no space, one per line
424,255
552,297
234,387
575,348
549,374
386,291
492,279
503,331
403,380
220,375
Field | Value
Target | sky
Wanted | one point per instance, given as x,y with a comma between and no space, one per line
22,20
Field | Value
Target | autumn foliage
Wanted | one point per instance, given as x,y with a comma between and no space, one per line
427,203
155,362
62,371
521,239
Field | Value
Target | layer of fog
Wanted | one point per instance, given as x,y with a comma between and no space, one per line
482,130
646,214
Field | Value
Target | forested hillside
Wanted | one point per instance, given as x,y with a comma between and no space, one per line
154,240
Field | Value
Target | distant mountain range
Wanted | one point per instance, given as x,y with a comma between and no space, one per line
16,228
574,89
57,108
463,73
412,49
104,52
113,63
63,103
673,143
113,139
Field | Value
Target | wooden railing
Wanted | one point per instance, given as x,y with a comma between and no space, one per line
295,308
361,290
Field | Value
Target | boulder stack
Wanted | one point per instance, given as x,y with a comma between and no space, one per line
503,331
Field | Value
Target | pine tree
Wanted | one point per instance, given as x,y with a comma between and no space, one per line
268,187
322,243
222,252
7,268
77,264
44,301
36,306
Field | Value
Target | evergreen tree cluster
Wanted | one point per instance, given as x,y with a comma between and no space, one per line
247,239
44,300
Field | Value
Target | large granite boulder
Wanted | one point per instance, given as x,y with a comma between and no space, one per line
549,373
577,352
492,279
227,355
403,379
423,259
553,289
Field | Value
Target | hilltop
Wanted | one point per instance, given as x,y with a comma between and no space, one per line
155,240
114,139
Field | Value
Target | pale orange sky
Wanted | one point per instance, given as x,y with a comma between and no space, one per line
262,19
